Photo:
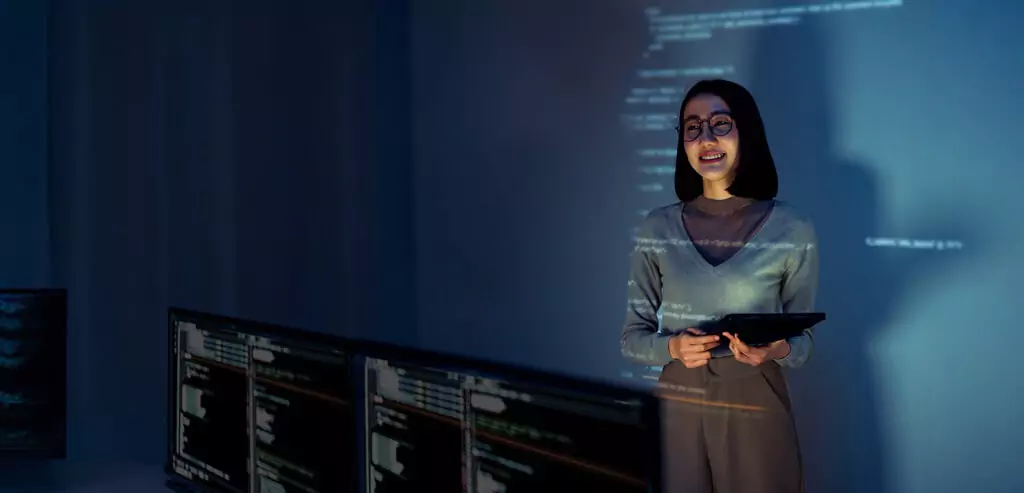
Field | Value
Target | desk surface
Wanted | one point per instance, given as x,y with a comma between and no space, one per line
61,477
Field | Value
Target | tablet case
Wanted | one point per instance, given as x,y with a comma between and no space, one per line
760,329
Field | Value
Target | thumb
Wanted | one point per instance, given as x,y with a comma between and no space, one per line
696,332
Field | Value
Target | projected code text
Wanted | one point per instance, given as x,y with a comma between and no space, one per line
653,102
668,27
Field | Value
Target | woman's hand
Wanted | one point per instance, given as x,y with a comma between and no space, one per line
755,356
692,348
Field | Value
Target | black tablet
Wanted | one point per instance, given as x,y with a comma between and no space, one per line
760,329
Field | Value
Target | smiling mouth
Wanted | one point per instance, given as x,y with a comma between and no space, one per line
710,157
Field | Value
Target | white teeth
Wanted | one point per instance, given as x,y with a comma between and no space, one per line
712,157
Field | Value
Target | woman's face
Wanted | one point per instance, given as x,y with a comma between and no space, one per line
710,138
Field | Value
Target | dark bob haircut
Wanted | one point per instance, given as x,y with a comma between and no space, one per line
756,177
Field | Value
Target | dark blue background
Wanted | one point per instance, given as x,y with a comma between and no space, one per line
457,177
243,158
23,145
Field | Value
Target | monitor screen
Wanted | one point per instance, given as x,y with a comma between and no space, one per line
33,373
258,408
439,424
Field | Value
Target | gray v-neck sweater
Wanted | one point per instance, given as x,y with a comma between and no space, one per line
672,286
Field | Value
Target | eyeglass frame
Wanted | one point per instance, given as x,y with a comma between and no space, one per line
702,121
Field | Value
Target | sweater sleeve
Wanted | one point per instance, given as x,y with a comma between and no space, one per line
799,288
641,342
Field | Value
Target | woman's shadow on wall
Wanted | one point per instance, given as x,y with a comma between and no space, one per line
840,412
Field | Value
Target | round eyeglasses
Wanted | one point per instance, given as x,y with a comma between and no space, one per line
720,125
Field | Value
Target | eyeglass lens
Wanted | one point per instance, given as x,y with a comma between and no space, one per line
720,126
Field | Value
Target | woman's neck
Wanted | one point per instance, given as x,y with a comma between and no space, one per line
716,190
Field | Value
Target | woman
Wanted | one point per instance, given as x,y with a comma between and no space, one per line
726,247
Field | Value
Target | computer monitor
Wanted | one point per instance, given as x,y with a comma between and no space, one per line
33,373
444,423
258,408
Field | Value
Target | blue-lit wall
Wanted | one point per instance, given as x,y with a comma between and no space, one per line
470,184
894,125
232,157
23,144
